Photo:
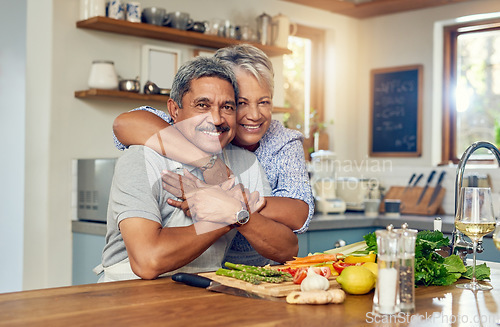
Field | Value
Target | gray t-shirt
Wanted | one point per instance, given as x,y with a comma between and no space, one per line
137,191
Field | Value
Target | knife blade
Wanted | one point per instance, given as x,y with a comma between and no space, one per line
211,285
409,183
429,180
437,189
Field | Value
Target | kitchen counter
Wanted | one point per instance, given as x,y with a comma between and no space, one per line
357,220
163,302
322,222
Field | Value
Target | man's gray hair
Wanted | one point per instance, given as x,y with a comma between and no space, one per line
250,59
197,68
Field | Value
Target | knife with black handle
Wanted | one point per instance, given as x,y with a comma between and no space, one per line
409,183
417,180
211,285
429,180
437,188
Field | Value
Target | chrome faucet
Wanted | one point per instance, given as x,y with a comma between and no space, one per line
459,246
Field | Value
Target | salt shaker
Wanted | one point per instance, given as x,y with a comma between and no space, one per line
438,224
407,239
386,298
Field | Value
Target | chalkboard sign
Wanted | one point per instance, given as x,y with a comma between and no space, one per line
396,101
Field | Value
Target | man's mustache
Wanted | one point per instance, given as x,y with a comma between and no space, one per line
213,128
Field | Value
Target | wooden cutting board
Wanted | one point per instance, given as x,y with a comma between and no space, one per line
270,289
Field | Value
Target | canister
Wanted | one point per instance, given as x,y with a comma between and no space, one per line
116,9
133,11
92,8
264,29
103,75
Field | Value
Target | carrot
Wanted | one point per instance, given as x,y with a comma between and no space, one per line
315,258
292,264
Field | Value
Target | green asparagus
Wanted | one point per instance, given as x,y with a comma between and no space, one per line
249,277
284,276
239,275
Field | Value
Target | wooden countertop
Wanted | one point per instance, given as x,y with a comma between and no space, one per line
163,302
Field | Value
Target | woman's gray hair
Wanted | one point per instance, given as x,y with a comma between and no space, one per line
197,68
251,59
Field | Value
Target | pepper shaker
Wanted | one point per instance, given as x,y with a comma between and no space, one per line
407,239
386,298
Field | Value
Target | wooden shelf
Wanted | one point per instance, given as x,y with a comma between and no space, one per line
282,110
169,34
124,95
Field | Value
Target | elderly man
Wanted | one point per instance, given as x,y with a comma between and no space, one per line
146,236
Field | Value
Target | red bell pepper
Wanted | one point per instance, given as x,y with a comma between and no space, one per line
340,265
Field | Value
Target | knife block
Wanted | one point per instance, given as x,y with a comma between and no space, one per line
410,197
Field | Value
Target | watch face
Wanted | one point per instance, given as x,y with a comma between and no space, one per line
242,217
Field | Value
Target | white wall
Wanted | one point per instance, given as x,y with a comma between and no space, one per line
12,130
60,128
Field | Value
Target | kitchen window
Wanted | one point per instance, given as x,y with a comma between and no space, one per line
471,101
304,82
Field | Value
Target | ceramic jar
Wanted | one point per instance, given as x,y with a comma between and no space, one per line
92,8
103,75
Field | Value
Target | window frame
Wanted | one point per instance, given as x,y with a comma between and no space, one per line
317,37
450,35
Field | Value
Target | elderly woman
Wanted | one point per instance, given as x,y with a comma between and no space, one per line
278,149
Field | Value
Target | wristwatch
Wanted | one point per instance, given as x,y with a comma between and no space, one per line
242,217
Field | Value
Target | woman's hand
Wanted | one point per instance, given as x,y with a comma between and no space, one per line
218,173
254,200
183,205
213,204
179,185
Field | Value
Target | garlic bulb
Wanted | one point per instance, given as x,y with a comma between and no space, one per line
313,282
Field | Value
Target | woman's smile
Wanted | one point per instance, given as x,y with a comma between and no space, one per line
254,111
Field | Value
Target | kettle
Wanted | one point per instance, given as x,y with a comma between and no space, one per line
281,30
264,31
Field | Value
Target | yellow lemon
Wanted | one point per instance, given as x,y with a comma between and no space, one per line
356,280
372,266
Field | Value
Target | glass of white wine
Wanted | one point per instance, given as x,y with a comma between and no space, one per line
496,236
475,218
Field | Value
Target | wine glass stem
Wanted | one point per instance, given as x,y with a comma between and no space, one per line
474,245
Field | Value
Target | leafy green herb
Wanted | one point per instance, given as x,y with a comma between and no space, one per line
482,272
454,264
430,272
430,267
429,241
